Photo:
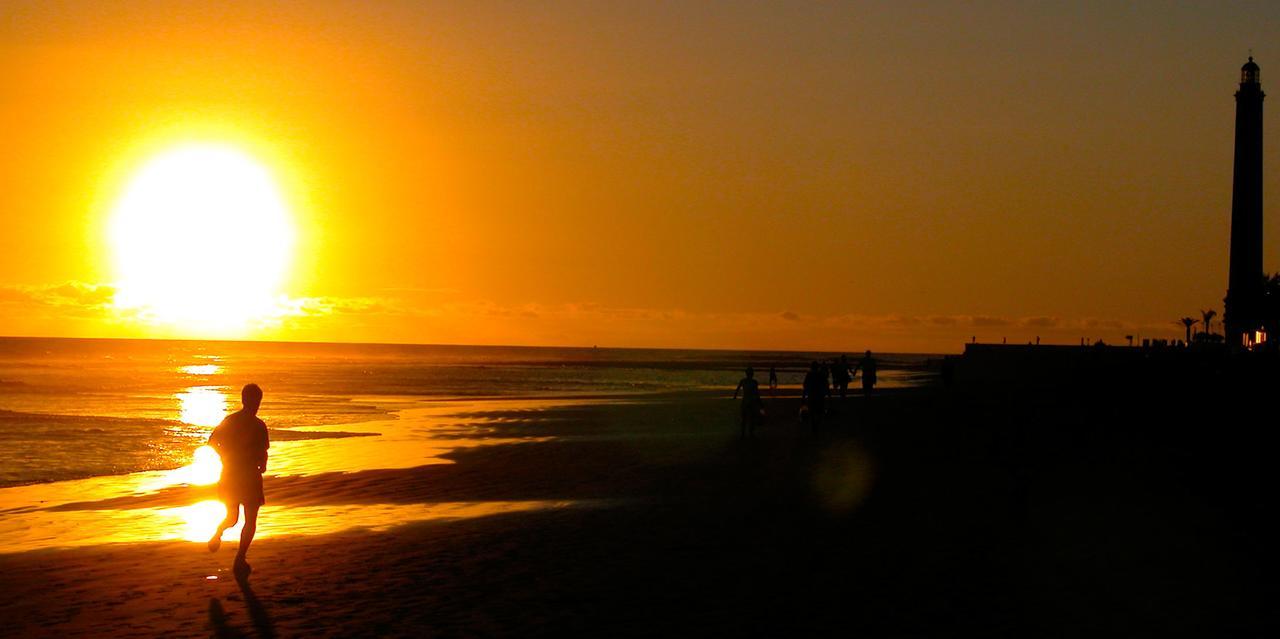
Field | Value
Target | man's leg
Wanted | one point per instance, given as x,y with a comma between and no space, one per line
246,534
233,515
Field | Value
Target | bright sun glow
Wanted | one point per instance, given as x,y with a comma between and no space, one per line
202,240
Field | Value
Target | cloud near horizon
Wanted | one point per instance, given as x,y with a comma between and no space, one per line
85,309
79,298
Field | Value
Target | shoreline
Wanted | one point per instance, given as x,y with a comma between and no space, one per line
915,512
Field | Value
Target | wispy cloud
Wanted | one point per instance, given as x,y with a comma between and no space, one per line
392,318
81,298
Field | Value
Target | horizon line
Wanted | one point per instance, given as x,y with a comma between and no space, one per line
454,345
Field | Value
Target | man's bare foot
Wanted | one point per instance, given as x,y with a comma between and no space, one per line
215,542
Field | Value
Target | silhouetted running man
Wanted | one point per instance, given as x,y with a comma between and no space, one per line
814,393
241,441
752,405
773,378
868,368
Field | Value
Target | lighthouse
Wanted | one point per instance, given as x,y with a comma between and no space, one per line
1243,303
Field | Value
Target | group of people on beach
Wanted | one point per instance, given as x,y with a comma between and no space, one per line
820,381
242,441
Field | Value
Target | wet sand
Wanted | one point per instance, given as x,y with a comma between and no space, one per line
918,512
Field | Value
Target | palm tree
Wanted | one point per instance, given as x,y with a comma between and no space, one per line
1207,318
1188,322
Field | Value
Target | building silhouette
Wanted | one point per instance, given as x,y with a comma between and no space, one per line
1243,303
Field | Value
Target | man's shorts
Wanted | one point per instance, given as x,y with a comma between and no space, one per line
241,487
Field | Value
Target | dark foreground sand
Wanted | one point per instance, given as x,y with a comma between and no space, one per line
926,512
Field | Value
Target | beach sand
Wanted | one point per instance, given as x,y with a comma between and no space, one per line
916,512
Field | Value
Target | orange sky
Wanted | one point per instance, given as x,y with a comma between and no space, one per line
736,175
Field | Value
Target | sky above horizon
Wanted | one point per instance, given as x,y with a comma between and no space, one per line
893,176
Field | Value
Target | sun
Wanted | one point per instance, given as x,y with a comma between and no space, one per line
202,240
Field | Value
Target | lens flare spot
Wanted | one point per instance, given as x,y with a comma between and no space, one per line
843,477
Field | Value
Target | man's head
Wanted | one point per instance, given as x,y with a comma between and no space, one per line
751,372
251,397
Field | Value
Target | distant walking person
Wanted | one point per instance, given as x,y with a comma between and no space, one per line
773,378
814,394
868,367
752,405
241,442
840,376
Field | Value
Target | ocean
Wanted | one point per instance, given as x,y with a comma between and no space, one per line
77,408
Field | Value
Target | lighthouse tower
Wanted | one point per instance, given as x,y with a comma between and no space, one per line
1245,278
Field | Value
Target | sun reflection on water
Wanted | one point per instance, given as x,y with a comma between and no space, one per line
198,521
419,434
202,405
201,369
204,469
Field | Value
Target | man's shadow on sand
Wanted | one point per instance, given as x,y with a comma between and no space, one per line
257,615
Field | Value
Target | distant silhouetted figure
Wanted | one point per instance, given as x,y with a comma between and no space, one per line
241,441
752,405
841,375
773,378
814,394
868,367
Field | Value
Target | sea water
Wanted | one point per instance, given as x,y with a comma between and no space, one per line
77,408
101,441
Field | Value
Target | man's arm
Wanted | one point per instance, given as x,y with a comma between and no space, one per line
735,391
215,439
266,443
